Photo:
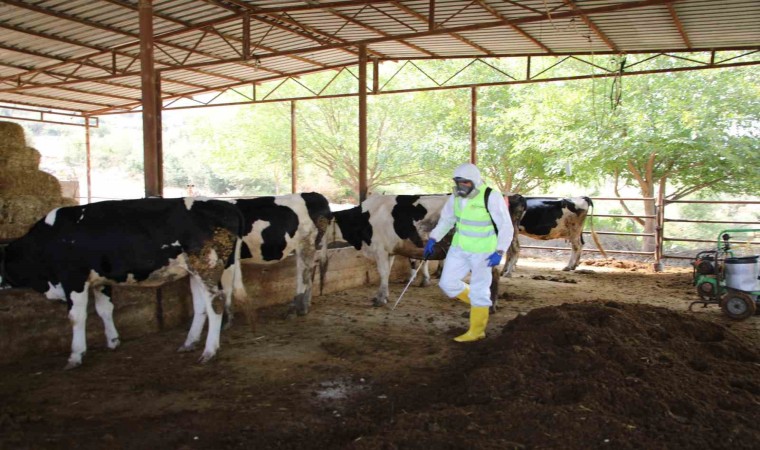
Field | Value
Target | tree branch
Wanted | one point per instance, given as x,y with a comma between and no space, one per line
683,192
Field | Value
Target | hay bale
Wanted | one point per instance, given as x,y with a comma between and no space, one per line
22,159
40,184
11,134
26,193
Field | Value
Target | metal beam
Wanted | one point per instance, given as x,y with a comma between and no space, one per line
440,31
589,23
527,80
97,25
522,32
431,26
679,25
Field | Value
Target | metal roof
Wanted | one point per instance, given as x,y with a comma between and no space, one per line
83,55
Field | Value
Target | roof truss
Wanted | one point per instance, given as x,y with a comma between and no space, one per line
83,55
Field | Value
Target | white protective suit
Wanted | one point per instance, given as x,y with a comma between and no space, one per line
459,262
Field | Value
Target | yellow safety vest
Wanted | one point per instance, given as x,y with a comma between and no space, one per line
475,232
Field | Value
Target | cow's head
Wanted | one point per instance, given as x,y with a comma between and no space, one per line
20,267
350,225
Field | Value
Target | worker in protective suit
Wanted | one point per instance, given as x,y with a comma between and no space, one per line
483,233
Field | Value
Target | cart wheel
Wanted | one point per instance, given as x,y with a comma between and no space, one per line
738,305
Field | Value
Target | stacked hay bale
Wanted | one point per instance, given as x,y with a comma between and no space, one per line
26,193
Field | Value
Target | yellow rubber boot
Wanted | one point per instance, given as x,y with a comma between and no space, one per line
464,296
478,322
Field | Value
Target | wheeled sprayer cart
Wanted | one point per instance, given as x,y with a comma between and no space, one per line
725,279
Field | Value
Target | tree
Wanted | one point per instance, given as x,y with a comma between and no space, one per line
522,133
678,134
405,143
241,151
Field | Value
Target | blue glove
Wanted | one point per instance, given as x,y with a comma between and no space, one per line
494,259
428,252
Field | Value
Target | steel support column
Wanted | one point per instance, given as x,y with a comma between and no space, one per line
88,157
474,125
151,105
293,149
362,123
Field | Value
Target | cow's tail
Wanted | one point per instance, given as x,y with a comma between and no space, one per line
594,236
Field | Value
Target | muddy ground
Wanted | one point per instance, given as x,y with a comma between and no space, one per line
607,357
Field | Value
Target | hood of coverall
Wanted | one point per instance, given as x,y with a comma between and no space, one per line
470,172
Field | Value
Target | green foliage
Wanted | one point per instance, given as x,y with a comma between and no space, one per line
695,130
238,151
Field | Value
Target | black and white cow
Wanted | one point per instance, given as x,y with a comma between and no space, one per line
275,227
549,218
145,241
387,225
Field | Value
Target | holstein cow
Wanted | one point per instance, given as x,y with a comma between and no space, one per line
384,226
277,226
146,241
387,225
548,218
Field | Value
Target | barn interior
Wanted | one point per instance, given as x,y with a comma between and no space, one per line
574,360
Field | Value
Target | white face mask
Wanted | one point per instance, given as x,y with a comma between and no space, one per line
463,187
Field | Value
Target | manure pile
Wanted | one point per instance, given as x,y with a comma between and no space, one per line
590,375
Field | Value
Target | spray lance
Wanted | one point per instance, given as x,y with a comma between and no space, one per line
414,275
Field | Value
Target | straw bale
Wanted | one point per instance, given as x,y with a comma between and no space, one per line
19,158
19,213
11,134
27,194
29,183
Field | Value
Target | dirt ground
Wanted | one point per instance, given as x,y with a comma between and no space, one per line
606,357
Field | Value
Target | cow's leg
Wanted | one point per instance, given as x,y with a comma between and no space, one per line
304,271
384,264
494,288
104,307
413,264
78,318
512,256
423,266
214,313
235,292
209,303
228,285
575,256
425,275
206,269
199,318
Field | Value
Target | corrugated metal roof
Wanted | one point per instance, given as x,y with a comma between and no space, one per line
83,55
